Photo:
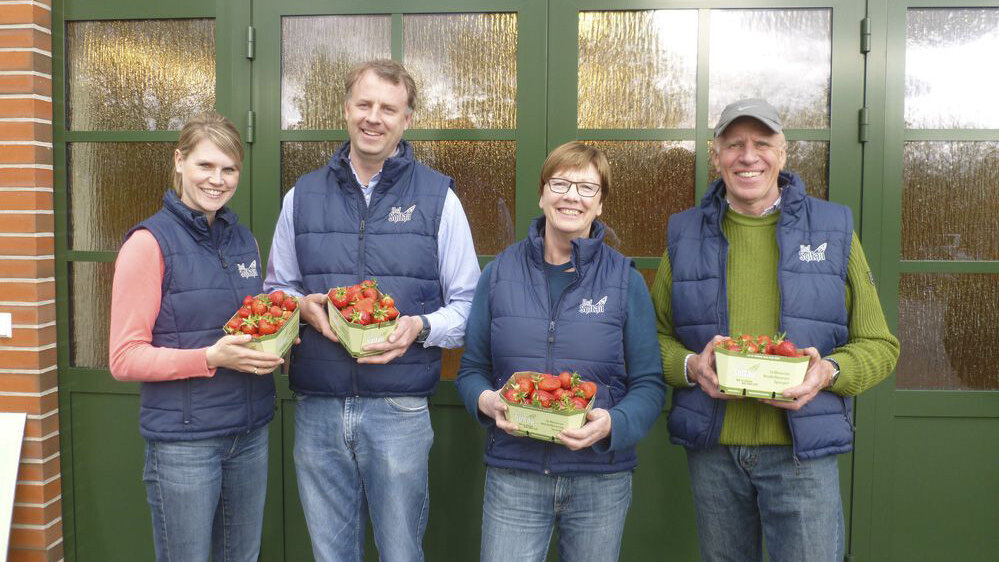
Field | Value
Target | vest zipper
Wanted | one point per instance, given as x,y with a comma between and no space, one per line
222,258
361,265
552,313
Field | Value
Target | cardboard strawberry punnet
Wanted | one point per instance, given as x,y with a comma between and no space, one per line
542,404
759,366
272,320
361,314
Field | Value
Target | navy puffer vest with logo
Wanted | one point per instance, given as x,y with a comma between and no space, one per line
813,238
341,241
208,269
583,332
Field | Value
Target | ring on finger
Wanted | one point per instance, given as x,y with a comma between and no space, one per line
255,371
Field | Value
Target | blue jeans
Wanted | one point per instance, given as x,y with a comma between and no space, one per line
739,489
207,496
360,455
520,508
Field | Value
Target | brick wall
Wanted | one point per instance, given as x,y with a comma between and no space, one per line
28,376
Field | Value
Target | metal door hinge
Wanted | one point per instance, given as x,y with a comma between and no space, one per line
251,42
864,122
251,125
865,35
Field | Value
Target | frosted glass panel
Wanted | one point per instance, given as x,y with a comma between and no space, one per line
299,158
808,159
940,316
650,180
947,56
637,69
465,67
783,56
316,54
485,175
89,325
112,186
949,206
138,74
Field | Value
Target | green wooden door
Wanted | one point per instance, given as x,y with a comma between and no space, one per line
479,118
929,476
132,73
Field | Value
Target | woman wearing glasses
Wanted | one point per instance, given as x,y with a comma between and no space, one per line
530,313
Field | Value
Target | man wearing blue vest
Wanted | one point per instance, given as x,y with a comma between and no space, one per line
362,427
759,256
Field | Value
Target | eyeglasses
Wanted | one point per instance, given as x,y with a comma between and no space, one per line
584,189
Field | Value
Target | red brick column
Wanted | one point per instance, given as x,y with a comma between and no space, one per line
28,375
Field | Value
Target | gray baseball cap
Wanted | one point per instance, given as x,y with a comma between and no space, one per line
757,108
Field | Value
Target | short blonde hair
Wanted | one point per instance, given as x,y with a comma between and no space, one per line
388,70
214,127
575,155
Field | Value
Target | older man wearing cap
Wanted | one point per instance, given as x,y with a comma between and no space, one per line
758,256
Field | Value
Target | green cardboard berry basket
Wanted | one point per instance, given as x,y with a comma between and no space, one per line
542,423
352,336
280,341
758,375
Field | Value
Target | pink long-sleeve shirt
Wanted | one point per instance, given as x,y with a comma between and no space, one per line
135,304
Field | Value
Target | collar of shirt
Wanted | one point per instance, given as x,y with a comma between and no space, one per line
769,210
367,190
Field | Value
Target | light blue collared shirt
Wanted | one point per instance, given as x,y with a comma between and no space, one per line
457,263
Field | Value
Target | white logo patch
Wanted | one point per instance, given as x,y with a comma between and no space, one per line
587,307
806,253
247,271
398,215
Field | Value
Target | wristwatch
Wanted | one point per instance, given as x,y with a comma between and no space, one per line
425,332
835,374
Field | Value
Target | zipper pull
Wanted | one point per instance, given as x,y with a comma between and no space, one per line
551,332
361,232
222,259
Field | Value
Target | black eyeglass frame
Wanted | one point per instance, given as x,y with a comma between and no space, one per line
569,185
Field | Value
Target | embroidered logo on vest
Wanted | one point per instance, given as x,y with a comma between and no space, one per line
398,215
589,308
247,271
806,253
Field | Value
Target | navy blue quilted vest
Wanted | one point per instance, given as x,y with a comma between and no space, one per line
584,332
341,241
813,238
208,270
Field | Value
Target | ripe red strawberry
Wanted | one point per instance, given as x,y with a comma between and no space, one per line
277,297
588,388
565,377
289,304
542,398
339,297
787,349
275,310
247,300
386,301
266,328
391,313
243,312
579,403
549,383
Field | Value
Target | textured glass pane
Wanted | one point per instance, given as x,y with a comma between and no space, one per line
316,53
949,203
485,176
465,67
112,186
90,306
637,69
783,56
947,57
650,180
299,158
940,317
808,159
138,74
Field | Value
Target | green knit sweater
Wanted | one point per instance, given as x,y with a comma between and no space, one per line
754,308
